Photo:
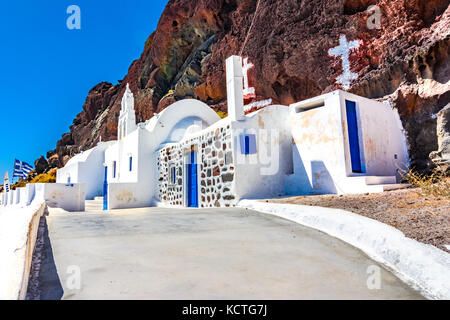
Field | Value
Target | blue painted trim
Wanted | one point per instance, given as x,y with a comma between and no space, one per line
105,190
192,176
353,136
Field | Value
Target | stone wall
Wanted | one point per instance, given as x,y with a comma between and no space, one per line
215,169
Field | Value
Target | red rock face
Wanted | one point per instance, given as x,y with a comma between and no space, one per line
404,61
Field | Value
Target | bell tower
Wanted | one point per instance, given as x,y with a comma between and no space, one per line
127,117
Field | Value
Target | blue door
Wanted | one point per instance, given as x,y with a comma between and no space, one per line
353,136
192,185
105,190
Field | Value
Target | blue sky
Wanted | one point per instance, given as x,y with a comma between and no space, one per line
47,70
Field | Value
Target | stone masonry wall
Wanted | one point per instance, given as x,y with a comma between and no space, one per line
215,170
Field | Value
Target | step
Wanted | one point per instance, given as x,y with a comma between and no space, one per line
93,205
376,180
367,184
94,201
98,198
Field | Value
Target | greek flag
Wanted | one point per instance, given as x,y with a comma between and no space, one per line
6,182
21,169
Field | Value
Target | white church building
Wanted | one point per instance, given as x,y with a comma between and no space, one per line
187,156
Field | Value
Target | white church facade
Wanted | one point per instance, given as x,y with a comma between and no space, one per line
186,156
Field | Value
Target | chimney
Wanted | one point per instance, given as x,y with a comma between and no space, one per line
235,88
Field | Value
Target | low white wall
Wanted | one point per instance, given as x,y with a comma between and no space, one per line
128,195
29,249
31,189
68,197
16,196
18,233
10,196
23,196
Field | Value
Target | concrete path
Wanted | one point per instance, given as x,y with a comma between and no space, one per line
157,253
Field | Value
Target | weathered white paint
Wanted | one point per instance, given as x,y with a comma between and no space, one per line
68,197
263,174
322,162
129,195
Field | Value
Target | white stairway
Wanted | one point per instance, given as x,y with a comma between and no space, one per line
94,205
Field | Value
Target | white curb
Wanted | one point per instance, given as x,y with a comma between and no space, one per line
422,266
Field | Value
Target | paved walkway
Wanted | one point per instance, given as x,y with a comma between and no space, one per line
157,253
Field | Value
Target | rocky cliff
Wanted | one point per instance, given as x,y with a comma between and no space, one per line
403,59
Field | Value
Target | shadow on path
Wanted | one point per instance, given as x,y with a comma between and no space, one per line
44,282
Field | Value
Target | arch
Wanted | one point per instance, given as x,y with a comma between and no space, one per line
162,125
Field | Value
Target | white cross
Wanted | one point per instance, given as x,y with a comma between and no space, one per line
343,50
248,92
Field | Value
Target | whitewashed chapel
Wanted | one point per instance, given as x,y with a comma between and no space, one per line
187,156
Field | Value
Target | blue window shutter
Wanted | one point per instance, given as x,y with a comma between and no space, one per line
131,163
252,144
114,169
248,143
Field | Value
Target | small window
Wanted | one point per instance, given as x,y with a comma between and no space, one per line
114,169
302,107
172,174
131,163
68,180
248,143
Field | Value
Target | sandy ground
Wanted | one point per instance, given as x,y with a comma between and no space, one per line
155,253
425,219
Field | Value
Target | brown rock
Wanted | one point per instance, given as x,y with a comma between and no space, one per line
40,165
405,61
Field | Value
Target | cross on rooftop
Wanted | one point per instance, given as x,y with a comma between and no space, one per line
343,50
